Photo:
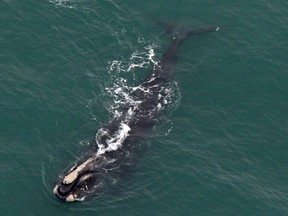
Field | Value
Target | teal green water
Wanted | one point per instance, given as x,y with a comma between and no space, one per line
224,149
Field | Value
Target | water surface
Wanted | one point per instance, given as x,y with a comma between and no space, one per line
222,151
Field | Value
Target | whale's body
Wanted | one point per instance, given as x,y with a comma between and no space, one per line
116,142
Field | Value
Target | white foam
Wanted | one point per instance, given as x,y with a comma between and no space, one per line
73,175
121,95
119,90
62,3
151,55
116,141
138,59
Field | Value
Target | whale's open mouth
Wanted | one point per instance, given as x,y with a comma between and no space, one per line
78,183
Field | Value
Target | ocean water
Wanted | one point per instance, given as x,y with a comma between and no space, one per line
223,147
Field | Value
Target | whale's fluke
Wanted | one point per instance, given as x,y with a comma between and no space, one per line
179,32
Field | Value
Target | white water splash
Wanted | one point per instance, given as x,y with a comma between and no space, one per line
119,90
138,59
63,3
115,141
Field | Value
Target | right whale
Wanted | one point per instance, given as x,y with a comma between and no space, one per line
115,144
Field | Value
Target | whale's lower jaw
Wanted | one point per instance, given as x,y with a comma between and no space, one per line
70,198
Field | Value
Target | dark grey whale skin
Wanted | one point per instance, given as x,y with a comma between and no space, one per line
92,178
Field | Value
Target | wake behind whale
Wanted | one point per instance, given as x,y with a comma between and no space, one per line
116,142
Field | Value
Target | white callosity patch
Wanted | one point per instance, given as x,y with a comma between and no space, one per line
70,198
73,175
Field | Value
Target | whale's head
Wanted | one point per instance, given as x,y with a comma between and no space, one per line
79,181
